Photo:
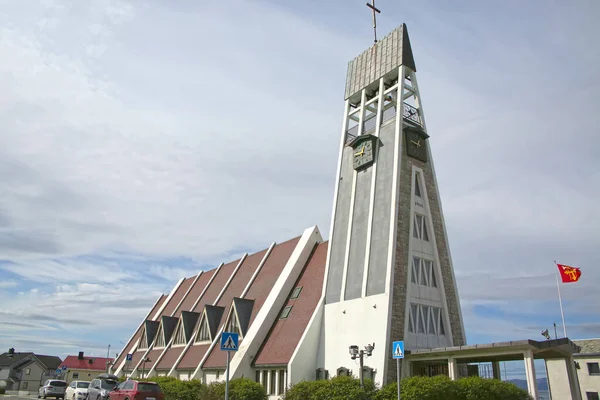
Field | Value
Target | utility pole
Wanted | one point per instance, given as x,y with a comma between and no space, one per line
107,358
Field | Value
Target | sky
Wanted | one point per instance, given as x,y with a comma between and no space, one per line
143,141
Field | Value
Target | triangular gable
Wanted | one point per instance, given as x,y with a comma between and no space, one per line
148,333
168,325
243,308
159,340
238,319
213,317
188,322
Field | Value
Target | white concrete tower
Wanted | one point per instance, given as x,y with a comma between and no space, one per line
389,274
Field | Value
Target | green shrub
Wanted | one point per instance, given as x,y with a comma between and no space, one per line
475,388
338,388
2,390
239,389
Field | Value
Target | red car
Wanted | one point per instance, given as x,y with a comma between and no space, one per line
135,390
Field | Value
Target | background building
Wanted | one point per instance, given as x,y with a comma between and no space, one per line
25,371
587,363
84,368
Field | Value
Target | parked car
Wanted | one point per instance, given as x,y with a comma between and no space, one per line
53,388
100,387
77,390
135,390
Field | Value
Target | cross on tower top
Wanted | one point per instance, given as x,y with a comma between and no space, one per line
375,10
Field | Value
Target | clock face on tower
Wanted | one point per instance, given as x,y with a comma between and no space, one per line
416,144
363,153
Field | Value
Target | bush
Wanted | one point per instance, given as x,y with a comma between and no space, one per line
475,388
239,389
414,388
338,388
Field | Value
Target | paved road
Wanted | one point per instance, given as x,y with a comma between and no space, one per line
15,397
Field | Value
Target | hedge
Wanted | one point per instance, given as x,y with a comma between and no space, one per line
414,388
239,389
347,388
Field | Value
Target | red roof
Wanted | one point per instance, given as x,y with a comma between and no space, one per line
285,334
259,290
87,363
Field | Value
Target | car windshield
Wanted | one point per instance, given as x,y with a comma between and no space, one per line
83,385
108,384
58,383
148,387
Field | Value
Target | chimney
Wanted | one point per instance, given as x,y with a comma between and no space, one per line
80,355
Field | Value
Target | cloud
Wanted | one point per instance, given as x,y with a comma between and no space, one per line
144,141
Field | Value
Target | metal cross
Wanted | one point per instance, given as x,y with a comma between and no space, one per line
375,10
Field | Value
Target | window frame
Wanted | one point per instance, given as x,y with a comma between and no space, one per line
284,314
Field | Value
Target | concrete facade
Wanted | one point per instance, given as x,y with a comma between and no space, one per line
584,365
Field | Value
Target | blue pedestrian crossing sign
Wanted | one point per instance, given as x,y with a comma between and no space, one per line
229,341
398,349
129,357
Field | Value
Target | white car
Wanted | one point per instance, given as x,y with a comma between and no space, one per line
77,390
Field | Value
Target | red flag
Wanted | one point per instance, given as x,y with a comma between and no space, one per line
569,274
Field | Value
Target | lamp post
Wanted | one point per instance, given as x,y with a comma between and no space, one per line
360,354
144,361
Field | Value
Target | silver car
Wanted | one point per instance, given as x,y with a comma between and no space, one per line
53,388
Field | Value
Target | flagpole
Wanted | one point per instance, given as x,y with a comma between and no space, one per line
562,314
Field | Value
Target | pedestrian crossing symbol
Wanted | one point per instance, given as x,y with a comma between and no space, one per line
229,341
398,349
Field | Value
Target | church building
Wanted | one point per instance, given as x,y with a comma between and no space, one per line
384,275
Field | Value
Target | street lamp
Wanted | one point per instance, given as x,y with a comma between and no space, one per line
144,361
360,354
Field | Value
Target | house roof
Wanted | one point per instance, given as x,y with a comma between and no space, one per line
86,363
257,294
588,346
284,336
50,362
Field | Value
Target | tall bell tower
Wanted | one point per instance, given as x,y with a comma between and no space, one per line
389,273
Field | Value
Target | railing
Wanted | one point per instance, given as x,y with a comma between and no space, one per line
410,115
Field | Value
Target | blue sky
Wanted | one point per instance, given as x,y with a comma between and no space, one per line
143,141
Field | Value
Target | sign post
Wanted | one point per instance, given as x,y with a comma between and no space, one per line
229,343
398,355
128,360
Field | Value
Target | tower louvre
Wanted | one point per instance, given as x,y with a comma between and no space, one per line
389,274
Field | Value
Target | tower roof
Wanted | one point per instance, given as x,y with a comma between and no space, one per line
378,60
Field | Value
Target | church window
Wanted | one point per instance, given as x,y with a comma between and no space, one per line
432,322
285,312
420,227
281,382
233,325
257,376
180,335
427,319
160,337
265,377
144,341
421,322
423,272
442,330
413,317
417,186
272,382
431,273
416,266
204,331
296,292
